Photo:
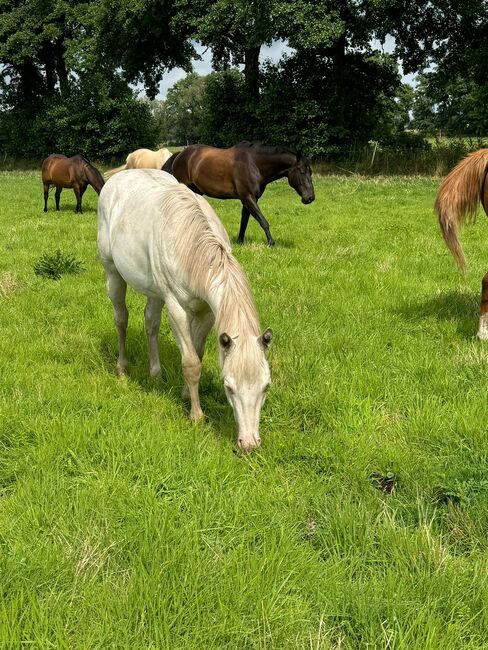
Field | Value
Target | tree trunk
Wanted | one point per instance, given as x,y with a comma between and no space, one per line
337,52
47,56
251,71
61,70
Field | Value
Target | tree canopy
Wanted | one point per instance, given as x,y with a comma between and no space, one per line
68,70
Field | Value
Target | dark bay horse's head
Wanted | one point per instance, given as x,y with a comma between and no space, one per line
300,178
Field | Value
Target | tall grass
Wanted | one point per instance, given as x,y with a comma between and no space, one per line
122,525
422,156
425,157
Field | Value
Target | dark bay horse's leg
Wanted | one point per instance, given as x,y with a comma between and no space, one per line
57,195
252,205
244,221
76,190
82,191
79,190
46,194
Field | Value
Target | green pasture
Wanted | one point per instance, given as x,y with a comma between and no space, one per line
362,522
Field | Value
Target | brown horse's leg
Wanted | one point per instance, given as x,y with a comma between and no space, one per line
57,195
244,221
46,194
483,328
76,190
252,205
82,191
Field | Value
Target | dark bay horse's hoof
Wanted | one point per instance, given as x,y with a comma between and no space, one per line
271,242
45,209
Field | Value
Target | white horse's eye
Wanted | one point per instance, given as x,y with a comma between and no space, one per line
228,388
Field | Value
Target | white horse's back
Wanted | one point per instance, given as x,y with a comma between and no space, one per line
138,237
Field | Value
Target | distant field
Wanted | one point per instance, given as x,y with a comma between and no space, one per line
122,525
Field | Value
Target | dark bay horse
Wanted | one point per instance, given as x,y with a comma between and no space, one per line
241,172
75,172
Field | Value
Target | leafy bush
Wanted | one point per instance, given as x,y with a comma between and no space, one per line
54,265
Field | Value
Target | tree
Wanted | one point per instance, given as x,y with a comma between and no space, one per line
224,113
450,38
301,95
52,68
183,110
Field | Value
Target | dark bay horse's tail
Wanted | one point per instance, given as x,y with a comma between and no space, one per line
458,198
168,165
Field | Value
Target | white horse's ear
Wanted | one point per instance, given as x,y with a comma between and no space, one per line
266,338
225,342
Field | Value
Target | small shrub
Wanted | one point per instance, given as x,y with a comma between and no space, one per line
54,265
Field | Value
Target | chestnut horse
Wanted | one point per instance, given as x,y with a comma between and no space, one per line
457,201
75,172
241,172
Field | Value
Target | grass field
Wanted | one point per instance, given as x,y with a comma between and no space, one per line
122,525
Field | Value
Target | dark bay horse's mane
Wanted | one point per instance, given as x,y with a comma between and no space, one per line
264,148
85,160
78,155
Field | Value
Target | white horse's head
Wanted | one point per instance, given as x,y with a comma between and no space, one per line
246,376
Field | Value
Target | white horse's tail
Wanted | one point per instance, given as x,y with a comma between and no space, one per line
111,172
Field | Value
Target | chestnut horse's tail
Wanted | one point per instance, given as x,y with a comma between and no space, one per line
111,172
458,198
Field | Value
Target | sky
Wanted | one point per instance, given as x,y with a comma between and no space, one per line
274,52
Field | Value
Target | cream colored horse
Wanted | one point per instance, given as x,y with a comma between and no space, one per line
168,244
142,159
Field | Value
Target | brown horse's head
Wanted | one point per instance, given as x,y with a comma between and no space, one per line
300,178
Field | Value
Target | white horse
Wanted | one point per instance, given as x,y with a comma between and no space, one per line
142,159
168,244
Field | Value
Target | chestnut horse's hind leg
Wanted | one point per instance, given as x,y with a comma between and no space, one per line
251,204
483,328
46,195
57,195
152,316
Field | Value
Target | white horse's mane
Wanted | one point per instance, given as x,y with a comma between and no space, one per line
208,264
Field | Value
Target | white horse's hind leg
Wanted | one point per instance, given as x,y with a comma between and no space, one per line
190,361
152,315
116,288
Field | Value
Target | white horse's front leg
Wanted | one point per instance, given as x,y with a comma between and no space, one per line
190,361
152,317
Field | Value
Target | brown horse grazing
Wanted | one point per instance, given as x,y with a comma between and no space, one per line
457,201
75,172
241,172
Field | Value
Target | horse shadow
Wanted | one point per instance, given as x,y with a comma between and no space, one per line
280,242
218,412
459,306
